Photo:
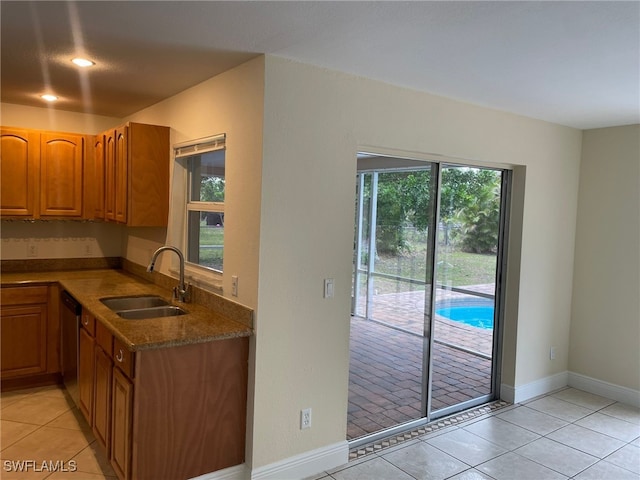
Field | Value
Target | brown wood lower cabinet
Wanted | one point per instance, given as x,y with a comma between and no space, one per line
102,399
189,409
30,340
86,363
121,411
176,412
24,340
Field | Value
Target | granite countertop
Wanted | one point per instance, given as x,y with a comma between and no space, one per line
199,325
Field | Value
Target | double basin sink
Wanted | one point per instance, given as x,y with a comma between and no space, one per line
141,307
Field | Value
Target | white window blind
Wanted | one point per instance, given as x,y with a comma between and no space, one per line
199,146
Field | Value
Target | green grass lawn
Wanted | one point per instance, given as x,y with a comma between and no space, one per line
211,257
455,268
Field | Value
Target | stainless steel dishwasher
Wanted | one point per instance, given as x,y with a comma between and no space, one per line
71,313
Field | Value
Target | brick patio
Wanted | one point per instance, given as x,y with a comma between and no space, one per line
385,381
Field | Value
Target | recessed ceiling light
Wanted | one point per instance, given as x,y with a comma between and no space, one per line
49,98
83,62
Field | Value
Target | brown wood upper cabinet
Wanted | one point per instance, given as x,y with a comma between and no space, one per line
121,175
42,174
131,167
19,176
97,179
61,174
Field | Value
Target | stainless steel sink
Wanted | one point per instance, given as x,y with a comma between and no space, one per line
142,306
152,312
133,302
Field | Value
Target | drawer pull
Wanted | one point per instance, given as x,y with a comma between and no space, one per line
120,356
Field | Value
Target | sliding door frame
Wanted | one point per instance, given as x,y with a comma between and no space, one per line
431,287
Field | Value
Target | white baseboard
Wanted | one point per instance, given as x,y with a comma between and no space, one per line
546,385
306,464
605,389
534,389
238,472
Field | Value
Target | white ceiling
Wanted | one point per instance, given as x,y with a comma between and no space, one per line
573,63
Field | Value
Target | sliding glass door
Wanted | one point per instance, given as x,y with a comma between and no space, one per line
464,345
391,293
425,310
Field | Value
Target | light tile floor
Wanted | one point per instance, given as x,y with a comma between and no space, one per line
566,434
41,425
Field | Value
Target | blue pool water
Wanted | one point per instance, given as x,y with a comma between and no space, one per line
480,316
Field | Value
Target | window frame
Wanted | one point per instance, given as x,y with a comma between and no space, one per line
182,152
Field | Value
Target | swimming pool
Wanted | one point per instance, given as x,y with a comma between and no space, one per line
470,312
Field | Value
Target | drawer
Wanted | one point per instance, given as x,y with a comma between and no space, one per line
24,295
104,338
123,358
89,323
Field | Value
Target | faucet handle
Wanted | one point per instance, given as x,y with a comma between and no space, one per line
187,293
180,295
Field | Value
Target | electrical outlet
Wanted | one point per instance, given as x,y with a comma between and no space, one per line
234,285
32,250
552,353
305,418
88,250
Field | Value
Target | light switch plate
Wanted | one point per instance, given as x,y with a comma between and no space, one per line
328,288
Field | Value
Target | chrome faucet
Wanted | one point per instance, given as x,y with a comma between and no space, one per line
182,292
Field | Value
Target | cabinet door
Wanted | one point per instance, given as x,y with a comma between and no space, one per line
23,340
122,175
19,172
110,175
61,164
97,193
86,363
121,423
102,398
148,147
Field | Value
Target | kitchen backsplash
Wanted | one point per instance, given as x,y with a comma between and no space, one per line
58,264
59,239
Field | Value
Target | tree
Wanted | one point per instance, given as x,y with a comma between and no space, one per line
470,200
403,199
480,220
212,189
469,204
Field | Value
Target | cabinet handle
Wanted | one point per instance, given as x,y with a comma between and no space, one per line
86,321
120,356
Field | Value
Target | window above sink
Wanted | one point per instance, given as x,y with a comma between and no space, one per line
204,163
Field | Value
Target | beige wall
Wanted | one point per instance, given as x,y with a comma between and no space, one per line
57,120
229,103
315,122
605,325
